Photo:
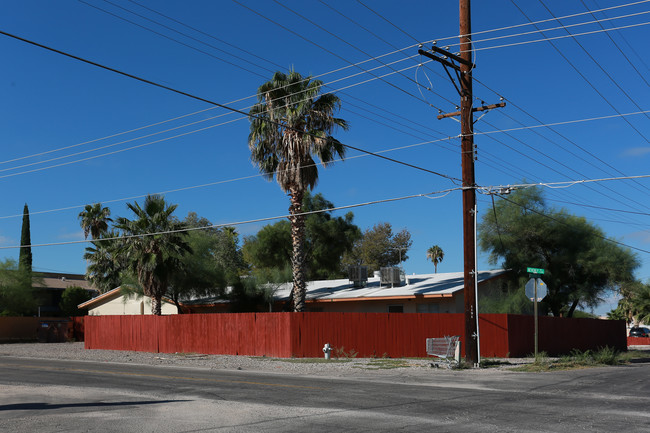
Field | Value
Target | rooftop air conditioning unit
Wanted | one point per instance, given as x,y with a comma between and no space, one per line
390,276
358,275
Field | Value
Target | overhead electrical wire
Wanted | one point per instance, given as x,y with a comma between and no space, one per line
550,29
407,146
566,122
211,36
553,38
198,98
529,23
353,46
558,162
199,41
562,222
258,220
604,71
141,137
328,51
622,36
575,68
620,50
549,127
595,219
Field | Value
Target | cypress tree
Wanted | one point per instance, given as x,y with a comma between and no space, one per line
25,257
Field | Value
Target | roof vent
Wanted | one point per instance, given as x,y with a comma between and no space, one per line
358,275
391,276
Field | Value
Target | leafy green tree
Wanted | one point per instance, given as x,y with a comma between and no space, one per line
327,238
71,297
17,297
581,265
499,302
203,272
270,247
25,256
379,247
435,254
290,124
94,220
154,258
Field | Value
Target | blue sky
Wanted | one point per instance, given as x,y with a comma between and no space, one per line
225,51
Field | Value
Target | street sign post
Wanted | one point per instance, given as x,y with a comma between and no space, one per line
537,293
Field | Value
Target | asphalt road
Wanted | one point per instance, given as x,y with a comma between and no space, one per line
57,396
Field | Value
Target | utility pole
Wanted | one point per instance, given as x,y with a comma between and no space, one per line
469,184
461,64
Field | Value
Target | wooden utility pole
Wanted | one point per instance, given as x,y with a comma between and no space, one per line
462,66
469,184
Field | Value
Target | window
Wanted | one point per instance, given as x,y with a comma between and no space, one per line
395,308
428,308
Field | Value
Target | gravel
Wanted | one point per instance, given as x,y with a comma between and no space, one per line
318,367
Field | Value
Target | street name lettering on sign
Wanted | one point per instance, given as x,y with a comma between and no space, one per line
536,271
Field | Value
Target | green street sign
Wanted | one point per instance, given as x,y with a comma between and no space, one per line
536,271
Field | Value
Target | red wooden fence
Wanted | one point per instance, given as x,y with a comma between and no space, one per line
638,341
367,334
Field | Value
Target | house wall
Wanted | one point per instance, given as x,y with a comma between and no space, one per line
131,306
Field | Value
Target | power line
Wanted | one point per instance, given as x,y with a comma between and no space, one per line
207,34
547,39
548,19
137,138
32,212
198,98
388,21
258,220
567,122
352,45
596,62
532,32
564,223
329,51
624,39
617,47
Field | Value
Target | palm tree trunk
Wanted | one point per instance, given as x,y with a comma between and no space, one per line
298,243
156,304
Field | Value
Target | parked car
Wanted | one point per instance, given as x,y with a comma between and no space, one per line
638,331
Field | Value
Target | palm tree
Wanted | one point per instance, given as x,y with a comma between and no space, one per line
104,263
152,247
290,124
94,220
435,254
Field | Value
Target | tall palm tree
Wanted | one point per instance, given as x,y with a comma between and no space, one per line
435,254
149,250
94,220
290,124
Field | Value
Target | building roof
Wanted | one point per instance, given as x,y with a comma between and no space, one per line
109,296
418,286
61,281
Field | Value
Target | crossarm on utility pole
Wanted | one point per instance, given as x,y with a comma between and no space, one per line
474,110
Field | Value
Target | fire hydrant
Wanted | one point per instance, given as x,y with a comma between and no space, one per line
326,350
